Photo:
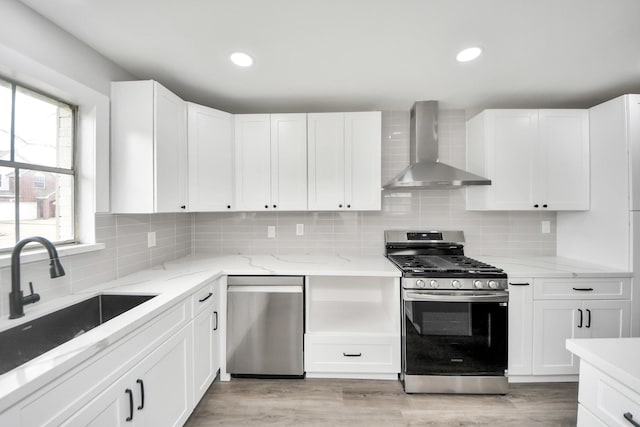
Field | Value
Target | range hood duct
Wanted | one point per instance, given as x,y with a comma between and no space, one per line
425,171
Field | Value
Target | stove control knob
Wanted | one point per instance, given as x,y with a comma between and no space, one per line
456,284
477,284
433,283
420,283
493,284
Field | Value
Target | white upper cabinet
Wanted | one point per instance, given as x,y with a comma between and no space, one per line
210,148
271,156
148,149
289,161
345,161
536,159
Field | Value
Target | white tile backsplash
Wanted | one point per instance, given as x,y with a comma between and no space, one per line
361,233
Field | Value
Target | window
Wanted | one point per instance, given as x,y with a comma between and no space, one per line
37,191
38,180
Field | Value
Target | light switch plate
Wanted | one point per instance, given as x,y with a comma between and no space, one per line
299,229
271,231
546,227
151,239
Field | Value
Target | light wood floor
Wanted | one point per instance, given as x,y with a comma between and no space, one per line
259,402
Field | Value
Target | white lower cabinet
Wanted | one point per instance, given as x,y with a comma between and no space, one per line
352,327
605,401
572,309
520,325
156,392
206,339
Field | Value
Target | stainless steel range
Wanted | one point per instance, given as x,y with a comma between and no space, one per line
454,309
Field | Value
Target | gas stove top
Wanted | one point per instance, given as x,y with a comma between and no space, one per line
435,259
444,266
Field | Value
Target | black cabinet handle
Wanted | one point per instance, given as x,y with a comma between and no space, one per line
228,206
339,206
519,284
348,206
130,393
206,298
216,314
275,206
580,324
544,206
352,354
535,206
139,381
629,417
266,206
583,289
588,318
183,207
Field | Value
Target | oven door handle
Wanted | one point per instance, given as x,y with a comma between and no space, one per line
424,296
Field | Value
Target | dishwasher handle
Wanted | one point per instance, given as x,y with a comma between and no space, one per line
266,289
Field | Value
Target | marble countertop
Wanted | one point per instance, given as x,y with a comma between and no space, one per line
548,266
617,357
175,280
305,265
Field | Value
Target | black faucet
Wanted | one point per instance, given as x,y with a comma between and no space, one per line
16,300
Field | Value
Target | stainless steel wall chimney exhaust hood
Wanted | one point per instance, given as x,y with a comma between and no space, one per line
425,171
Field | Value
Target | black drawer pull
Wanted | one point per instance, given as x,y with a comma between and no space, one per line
519,284
216,314
580,324
139,381
629,417
130,393
588,318
352,354
206,298
583,289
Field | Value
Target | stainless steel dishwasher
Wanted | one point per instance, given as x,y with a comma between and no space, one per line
265,319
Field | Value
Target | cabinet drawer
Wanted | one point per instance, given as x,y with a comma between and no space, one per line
203,298
359,354
606,398
587,419
605,288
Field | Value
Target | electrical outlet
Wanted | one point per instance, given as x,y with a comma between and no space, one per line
299,229
271,231
546,227
151,239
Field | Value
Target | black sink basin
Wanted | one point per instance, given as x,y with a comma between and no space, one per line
29,340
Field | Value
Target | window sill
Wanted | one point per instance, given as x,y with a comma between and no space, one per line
40,254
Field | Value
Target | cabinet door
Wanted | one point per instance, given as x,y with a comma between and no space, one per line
203,353
520,326
326,161
607,319
363,162
253,161
553,323
166,383
289,161
563,159
112,408
170,148
210,148
512,138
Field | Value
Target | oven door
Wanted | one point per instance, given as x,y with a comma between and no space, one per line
460,333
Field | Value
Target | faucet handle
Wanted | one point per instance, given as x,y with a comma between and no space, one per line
31,298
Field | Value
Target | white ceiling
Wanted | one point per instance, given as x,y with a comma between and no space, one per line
341,55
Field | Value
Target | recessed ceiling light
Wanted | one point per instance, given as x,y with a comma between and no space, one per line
241,59
469,54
